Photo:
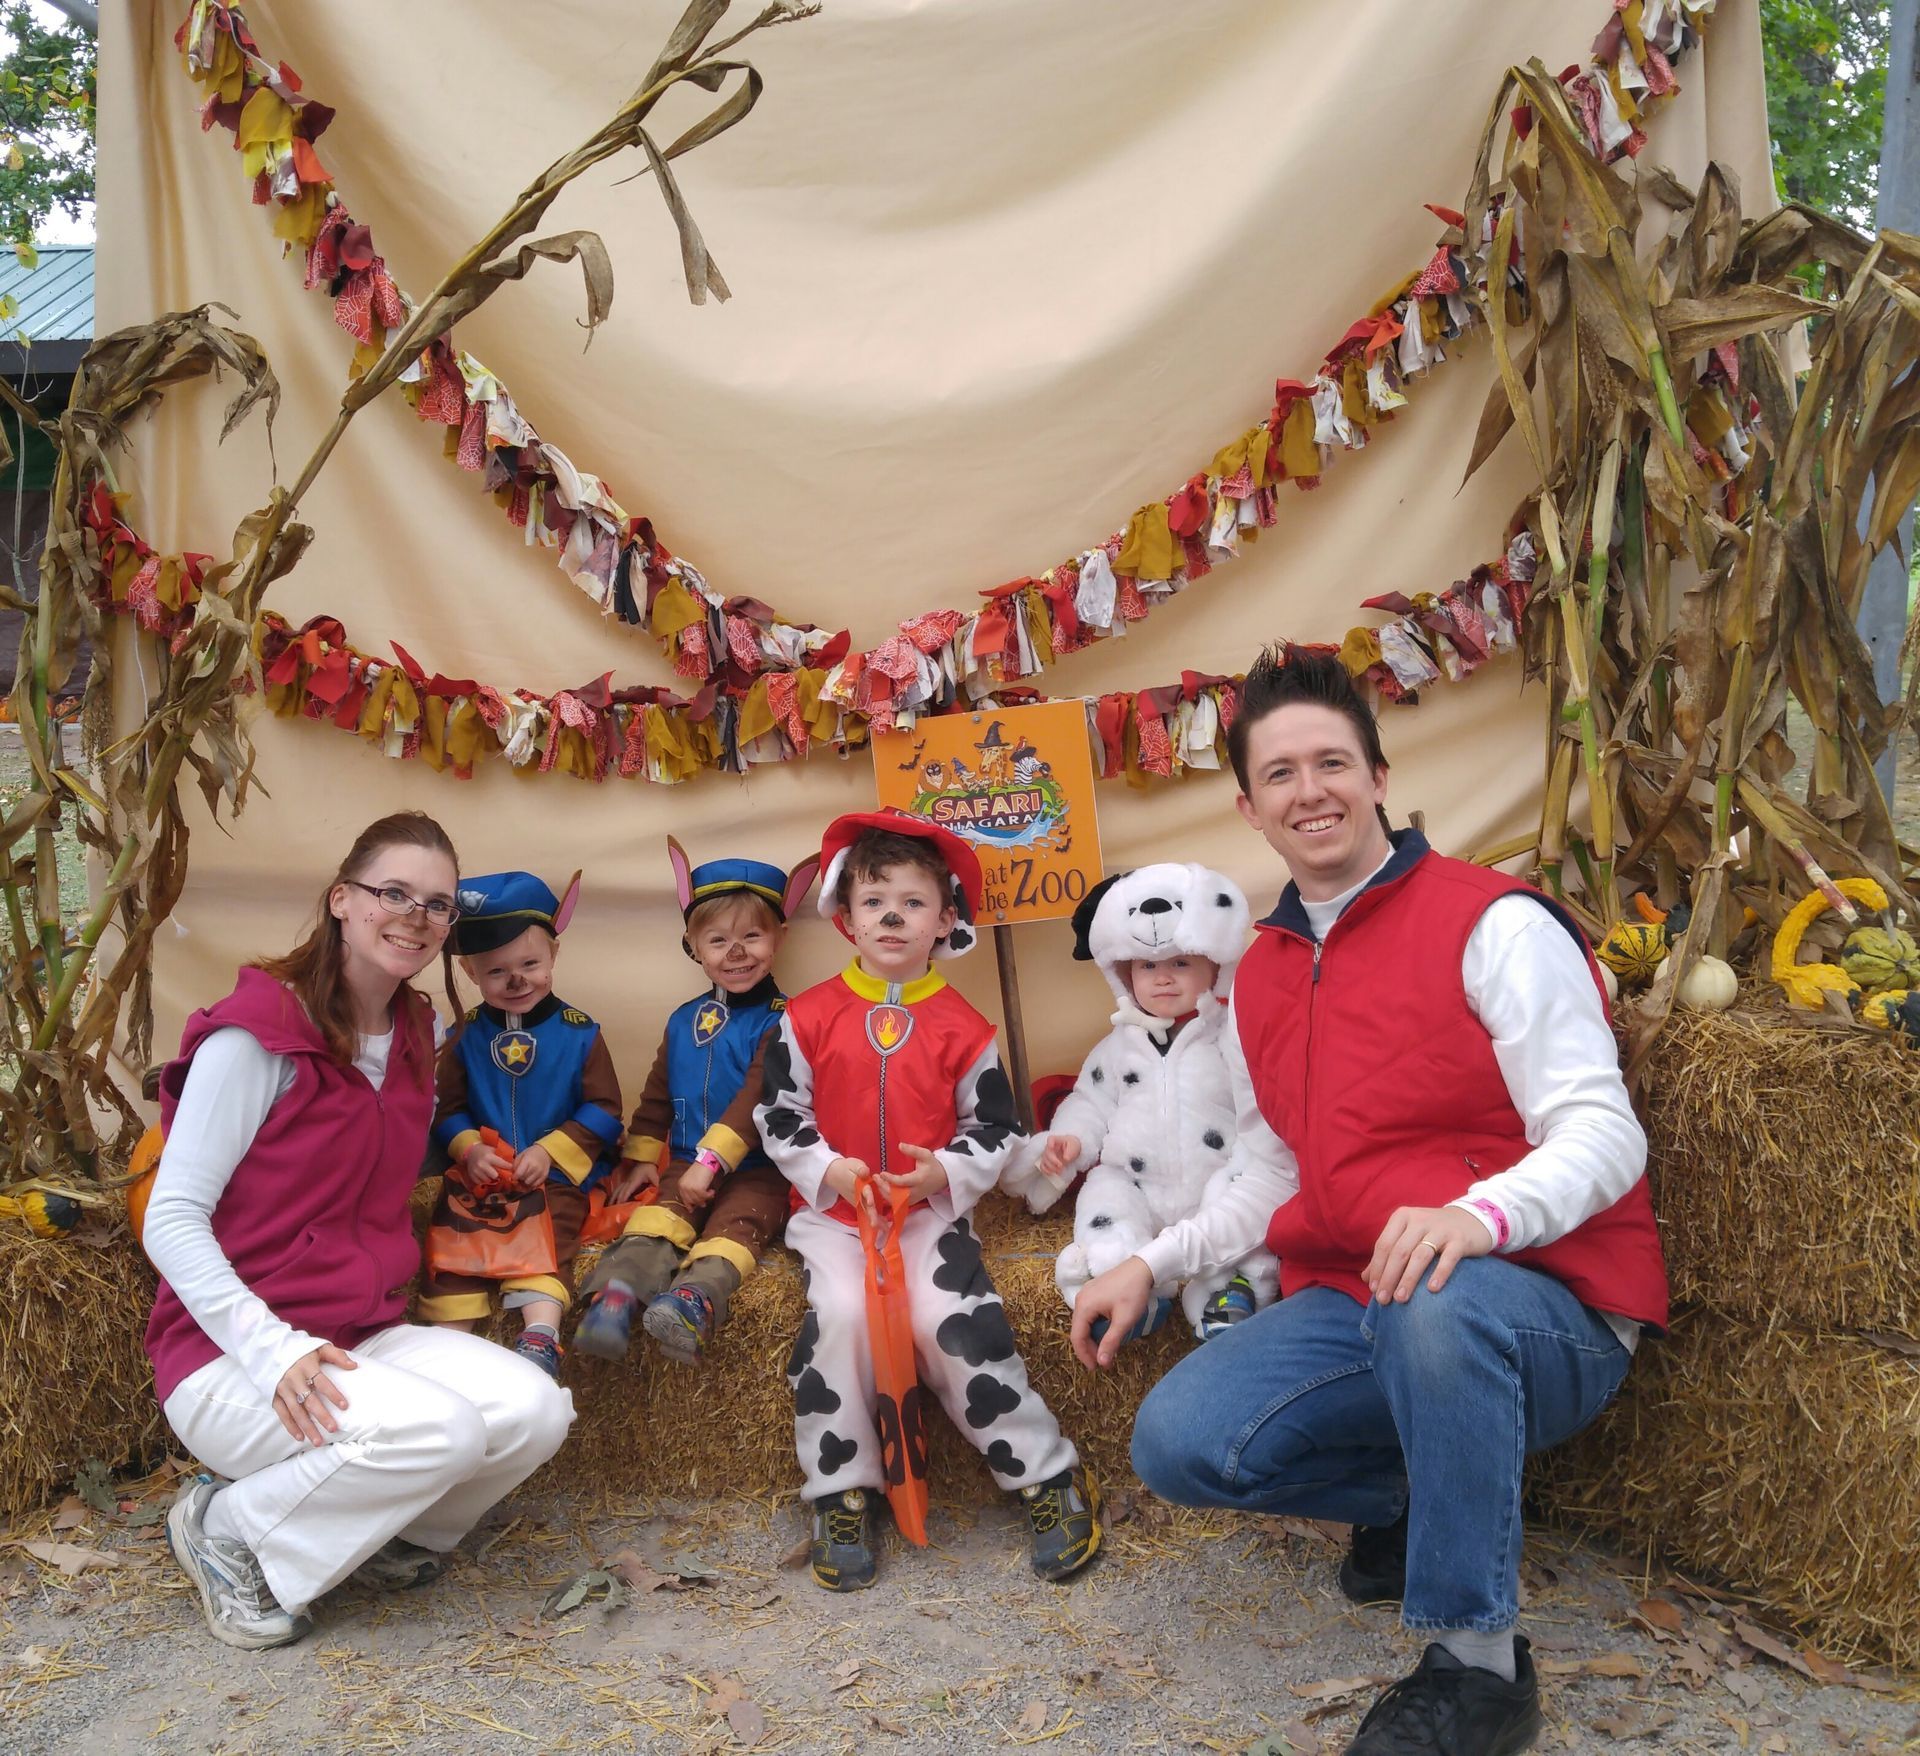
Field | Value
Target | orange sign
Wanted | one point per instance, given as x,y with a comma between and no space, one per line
1016,782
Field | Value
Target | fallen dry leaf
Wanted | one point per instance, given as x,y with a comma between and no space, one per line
1632,1721
72,1513
70,1558
747,1721
1659,1616
1334,1687
1604,1664
1033,1718
843,1676
799,1555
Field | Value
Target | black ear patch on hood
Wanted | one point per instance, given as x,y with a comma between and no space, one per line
1083,917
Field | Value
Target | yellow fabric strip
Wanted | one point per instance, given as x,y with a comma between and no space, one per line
643,1149
722,1140
542,1284
567,1157
656,1222
873,988
458,1145
727,1250
454,1307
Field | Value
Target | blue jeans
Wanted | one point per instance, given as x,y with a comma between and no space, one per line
1324,1409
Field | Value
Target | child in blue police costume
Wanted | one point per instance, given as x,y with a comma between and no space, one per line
535,1070
692,1133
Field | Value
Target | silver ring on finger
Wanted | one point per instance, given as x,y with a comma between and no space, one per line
301,1395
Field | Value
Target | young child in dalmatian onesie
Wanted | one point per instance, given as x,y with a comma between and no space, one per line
1152,1110
884,1081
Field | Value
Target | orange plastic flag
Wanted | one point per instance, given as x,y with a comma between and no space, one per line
899,1403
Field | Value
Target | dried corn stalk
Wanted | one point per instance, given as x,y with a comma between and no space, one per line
67,1000
1698,511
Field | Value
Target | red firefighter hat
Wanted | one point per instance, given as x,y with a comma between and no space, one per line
963,865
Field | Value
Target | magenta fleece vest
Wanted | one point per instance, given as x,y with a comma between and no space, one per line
315,1219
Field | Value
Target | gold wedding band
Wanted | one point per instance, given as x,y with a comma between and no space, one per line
1428,1244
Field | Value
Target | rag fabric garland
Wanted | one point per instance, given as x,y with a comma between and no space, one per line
596,731
734,645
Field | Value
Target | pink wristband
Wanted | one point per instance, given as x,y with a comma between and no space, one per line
705,1156
1488,1211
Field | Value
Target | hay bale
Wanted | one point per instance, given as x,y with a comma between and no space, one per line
725,1428
1777,1461
1785,1165
74,1379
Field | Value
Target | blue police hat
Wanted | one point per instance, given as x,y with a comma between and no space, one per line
499,906
781,891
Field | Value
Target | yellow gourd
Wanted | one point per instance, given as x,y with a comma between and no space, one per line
1634,950
1807,983
1881,958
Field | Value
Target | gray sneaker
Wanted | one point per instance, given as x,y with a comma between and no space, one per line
239,1606
398,1565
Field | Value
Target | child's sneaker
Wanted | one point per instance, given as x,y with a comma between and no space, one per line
1232,1304
1063,1522
542,1349
1150,1319
606,1325
235,1598
681,1321
843,1557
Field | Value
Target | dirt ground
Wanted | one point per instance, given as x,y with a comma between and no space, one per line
1192,1632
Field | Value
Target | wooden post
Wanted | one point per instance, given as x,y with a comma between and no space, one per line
1016,1029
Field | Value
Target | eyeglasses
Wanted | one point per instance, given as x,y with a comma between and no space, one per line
401,902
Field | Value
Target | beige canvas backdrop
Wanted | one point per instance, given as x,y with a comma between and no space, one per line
1002,270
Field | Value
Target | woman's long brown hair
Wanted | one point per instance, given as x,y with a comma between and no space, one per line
315,969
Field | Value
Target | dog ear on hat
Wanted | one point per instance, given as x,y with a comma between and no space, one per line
799,881
569,899
682,874
1083,917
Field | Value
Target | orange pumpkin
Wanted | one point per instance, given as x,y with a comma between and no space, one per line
143,1167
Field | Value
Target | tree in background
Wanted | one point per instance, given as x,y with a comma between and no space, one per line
46,118
1826,66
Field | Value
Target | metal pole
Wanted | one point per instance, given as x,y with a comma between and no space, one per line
1883,602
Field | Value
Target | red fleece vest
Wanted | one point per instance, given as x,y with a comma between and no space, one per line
315,1219
867,1103
1372,1067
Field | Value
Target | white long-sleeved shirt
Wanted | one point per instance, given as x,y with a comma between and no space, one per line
230,1091
1527,983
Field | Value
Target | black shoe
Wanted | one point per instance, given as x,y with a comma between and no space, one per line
843,1558
1063,1522
1375,1569
1449,1709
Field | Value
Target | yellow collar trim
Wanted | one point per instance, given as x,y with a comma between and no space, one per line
873,988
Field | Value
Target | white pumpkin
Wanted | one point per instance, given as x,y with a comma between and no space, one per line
1611,982
1710,986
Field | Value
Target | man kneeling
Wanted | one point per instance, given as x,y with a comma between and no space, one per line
1435,1140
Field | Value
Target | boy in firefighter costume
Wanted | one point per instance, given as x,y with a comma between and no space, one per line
721,1203
537,1072
1152,1111
884,1082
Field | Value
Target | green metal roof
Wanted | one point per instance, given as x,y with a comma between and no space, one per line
55,303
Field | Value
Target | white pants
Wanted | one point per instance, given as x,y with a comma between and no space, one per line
962,1342
438,1426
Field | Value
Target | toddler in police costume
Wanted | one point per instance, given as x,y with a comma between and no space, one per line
1152,1112
722,1202
883,1079
536,1071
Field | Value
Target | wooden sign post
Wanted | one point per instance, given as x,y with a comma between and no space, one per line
1017,783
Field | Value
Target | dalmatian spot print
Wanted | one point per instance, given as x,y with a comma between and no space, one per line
996,1120
805,1342
961,1270
1215,1139
782,1121
988,1399
979,1335
1130,1079
813,1395
836,1453
1001,1460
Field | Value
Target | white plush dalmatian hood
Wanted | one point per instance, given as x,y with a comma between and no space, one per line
1158,912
